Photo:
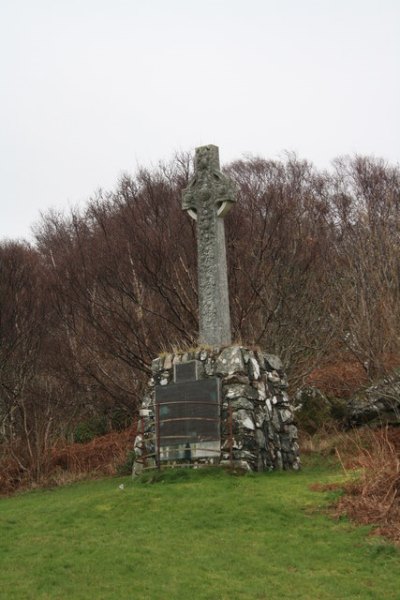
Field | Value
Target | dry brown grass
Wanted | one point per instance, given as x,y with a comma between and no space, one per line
372,458
374,498
67,463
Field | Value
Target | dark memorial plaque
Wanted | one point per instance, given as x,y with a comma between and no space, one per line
188,371
188,420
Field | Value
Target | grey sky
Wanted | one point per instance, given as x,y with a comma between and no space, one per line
92,88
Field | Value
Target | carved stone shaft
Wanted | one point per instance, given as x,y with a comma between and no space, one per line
208,197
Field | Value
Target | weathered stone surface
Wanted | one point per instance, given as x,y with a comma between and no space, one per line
230,361
203,355
274,377
236,378
157,365
165,378
268,404
246,355
208,197
260,387
242,403
292,431
257,428
237,390
286,415
168,361
379,404
275,421
147,400
286,442
272,362
254,368
260,437
284,397
376,405
244,419
260,416
209,367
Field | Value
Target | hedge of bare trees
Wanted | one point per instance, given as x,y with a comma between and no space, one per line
314,275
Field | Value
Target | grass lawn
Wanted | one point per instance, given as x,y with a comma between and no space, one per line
194,536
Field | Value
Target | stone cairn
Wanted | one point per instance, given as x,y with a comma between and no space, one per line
257,425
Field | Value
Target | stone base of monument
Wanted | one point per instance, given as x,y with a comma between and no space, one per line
217,406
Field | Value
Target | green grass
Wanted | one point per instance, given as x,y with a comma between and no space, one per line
193,536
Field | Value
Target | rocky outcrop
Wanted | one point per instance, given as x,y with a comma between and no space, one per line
378,404
258,432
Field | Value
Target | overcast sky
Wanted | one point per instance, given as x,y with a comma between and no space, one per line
93,88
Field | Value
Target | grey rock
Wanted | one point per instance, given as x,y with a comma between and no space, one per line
286,415
284,397
283,384
260,415
209,367
260,437
274,377
286,443
380,403
243,465
157,365
238,390
275,421
260,387
291,430
242,403
237,443
272,362
147,400
254,369
296,465
245,419
168,361
230,361
246,355
308,394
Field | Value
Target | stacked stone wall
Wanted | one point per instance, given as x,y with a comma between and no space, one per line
258,431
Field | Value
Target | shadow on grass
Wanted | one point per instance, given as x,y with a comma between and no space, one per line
186,474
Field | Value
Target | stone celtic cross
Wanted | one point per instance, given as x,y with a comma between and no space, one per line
208,198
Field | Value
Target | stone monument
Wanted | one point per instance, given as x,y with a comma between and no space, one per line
208,198
222,403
